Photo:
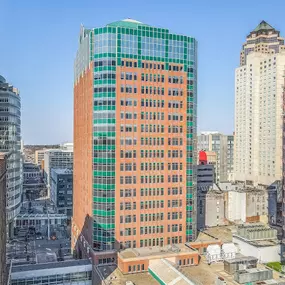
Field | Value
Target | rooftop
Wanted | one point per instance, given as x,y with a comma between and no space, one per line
258,234
30,167
223,233
260,243
241,258
40,215
201,274
46,257
166,272
263,26
58,150
62,171
77,262
127,23
156,251
215,190
203,237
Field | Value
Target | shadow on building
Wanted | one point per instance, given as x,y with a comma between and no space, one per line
275,204
104,261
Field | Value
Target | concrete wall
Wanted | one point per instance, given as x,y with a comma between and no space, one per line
124,265
244,204
214,210
236,206
256,203
185,259
263,254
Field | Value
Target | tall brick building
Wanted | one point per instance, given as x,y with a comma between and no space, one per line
135,100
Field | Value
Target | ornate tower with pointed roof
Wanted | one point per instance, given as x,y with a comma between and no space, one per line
264,39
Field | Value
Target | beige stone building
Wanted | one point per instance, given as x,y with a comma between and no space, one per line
39,156
259,82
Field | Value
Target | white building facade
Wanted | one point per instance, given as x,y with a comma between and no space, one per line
235,206
259,85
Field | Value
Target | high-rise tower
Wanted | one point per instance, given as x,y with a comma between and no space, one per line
135,97
3,235
259,85
10,142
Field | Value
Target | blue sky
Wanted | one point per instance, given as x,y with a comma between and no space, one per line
39,39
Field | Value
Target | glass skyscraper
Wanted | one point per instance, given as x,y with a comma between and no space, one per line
10,143
135,101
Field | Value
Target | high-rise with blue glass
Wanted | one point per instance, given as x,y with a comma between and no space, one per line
135,101
10,144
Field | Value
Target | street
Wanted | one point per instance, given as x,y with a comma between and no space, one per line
53,245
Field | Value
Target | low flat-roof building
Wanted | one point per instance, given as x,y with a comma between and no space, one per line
65,272
134,260
258,240
233,265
